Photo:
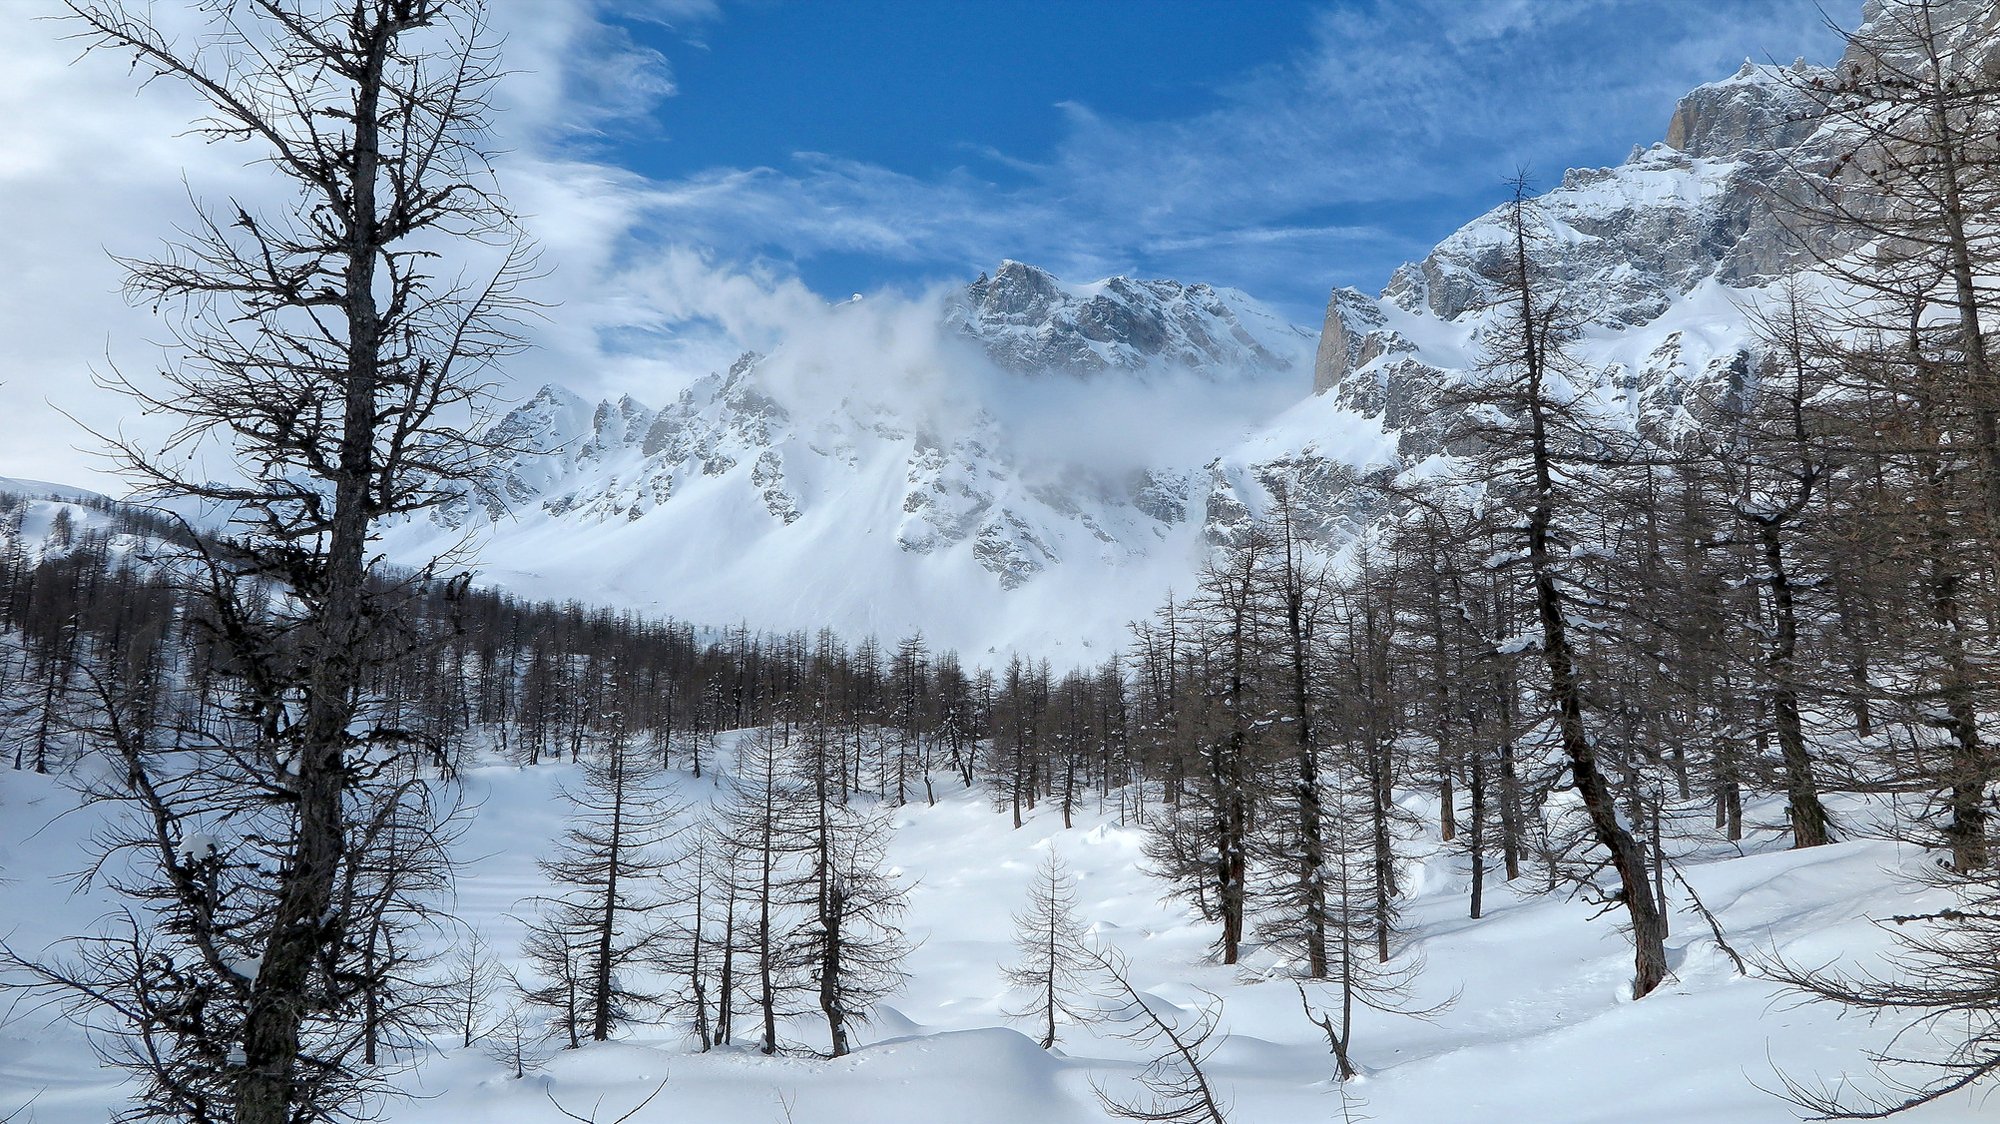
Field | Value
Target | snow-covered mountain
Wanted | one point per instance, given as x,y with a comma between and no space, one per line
1028,321
1048,460
1664,256
1037,472
1667,256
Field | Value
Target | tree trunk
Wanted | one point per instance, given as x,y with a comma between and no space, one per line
1810,826
303,923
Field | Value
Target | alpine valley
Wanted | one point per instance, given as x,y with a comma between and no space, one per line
1561,686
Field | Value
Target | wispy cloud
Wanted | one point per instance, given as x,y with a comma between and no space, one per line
1423,106
1279,187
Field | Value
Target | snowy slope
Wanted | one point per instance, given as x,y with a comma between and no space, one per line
1540,1030
44,489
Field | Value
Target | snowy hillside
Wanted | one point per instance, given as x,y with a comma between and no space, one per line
1541,1029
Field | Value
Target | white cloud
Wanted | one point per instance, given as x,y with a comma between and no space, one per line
1380,105
94,166
652,282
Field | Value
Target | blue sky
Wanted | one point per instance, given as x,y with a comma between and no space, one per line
1282,146
704,176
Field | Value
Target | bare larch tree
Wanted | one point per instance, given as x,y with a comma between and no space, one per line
323,376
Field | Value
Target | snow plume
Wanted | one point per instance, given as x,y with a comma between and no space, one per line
1122,422
876,469
884,351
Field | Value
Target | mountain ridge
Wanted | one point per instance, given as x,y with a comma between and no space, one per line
842,488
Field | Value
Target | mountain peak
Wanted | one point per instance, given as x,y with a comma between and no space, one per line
1029,321
1759,108
1017,293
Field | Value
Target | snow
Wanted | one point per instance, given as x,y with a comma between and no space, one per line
44,489
196,847
1541,1028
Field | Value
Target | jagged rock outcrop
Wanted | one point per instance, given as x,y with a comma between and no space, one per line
1630,240
1028,321
1350,316
1675,398
1755,110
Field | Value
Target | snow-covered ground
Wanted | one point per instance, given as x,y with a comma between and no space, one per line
1541,1030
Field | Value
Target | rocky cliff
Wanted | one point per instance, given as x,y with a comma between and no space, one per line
1660,255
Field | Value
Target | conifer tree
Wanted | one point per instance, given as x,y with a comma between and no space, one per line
1054,966
608,869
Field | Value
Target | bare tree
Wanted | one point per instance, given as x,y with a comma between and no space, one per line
1534,446
696,891
1940,989
610,865
1202,844
1357,917
1176,1089
1299,600
472,979
1784,465
1904,208
1054,968
318,348
851,946
515,1042
766,817
557,987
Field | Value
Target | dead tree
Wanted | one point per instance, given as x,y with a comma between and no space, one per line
1175,1087
1937,987
472,980
516,1042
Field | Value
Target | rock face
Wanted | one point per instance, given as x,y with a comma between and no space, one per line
1657,255
1629,241
1345,341
1028,321
1755,110
1967,37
